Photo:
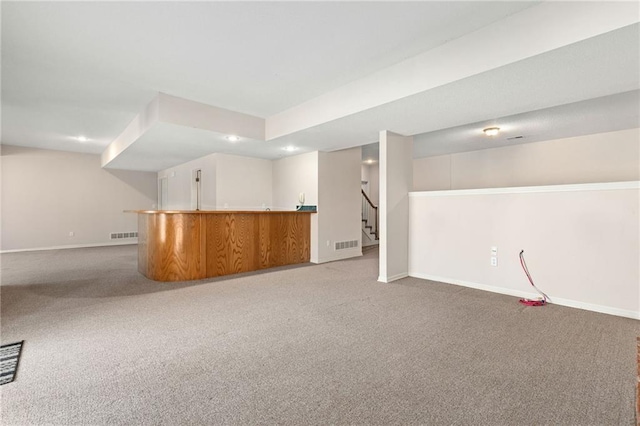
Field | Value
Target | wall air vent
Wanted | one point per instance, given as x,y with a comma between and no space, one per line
515,137
346,244
121,235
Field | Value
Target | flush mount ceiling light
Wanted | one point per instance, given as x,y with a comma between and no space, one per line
233,138
491,131
370,161
290,148
82,138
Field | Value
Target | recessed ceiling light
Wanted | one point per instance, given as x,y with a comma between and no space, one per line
233,138
290,148
82,138
491,131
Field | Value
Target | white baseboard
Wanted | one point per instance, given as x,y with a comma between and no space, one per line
517,293
341,255
597,308
72,246
392,277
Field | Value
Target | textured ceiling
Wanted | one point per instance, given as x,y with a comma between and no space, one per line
598,115
600,66
87,68
81,68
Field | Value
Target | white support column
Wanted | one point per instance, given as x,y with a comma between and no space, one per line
396,181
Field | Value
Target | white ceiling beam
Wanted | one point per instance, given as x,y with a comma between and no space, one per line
534,31
170,109
138,127
207,117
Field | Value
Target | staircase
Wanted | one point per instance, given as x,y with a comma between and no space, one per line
369,221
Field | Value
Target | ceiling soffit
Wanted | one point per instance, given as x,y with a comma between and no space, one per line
398,85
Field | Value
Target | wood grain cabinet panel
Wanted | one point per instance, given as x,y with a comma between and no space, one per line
181,246
170,247
231,244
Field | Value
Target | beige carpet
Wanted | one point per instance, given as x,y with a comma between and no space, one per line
316,344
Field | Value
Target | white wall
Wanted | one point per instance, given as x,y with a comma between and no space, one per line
243,182
179,180
291,176
228,181
603,157
339,203
47,194
581,242
371,174
364,174
330,180
396,180
433,173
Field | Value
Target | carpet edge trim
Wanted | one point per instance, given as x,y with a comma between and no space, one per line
517,293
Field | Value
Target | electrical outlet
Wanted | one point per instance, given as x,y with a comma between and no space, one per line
494,261
328,243
71,234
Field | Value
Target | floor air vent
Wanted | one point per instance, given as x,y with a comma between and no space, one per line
120,235
346,244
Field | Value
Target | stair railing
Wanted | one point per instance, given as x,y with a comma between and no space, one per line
369,214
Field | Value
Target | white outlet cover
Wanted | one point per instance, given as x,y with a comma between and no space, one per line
494,261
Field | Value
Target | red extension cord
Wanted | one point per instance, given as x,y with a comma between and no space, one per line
531,302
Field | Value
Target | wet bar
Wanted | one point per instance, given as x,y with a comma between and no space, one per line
192,245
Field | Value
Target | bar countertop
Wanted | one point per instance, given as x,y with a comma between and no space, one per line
217,211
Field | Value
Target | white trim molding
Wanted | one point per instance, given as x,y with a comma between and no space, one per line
517,293
72,246
604,186
392,277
